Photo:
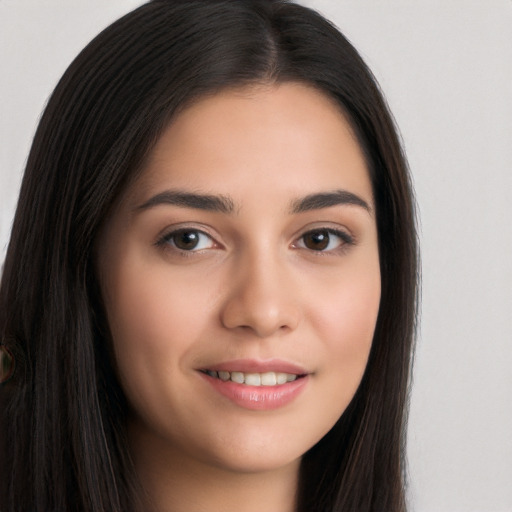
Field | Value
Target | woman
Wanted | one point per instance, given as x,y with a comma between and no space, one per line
209,293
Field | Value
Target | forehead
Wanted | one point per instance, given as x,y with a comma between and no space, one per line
288,135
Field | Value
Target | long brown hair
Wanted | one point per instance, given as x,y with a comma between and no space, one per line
63,413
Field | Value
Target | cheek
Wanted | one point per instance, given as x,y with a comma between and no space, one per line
346,323
349,300
154,319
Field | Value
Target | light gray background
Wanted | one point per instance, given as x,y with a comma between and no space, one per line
446,69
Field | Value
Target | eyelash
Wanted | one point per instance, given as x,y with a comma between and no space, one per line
346,240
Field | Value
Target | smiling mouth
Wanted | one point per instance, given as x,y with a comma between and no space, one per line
254,379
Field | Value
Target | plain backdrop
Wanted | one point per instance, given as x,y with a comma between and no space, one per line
446,69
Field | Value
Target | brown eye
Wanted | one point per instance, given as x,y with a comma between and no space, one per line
317,240
188,240
324,240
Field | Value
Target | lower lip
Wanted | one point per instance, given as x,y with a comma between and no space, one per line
258,398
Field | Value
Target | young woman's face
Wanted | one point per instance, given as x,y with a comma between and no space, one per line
241,280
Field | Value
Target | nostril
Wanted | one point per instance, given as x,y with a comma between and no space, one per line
260,302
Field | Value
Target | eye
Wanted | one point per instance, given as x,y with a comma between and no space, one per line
188,240
324,240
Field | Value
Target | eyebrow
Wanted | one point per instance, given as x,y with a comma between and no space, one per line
328,199
224,204
211,203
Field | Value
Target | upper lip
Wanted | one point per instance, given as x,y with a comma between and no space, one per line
258,366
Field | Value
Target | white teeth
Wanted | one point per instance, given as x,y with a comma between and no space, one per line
268,379
254,379
238,377
224,376
281,378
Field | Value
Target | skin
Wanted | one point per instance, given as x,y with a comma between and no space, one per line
252,289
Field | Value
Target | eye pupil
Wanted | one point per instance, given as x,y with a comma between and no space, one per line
186,240
316,240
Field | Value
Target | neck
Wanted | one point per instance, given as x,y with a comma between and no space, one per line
172,481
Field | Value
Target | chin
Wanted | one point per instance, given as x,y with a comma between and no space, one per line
258,462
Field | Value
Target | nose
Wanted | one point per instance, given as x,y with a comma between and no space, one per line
262,299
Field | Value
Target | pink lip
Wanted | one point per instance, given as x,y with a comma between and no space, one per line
258,398
258,366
